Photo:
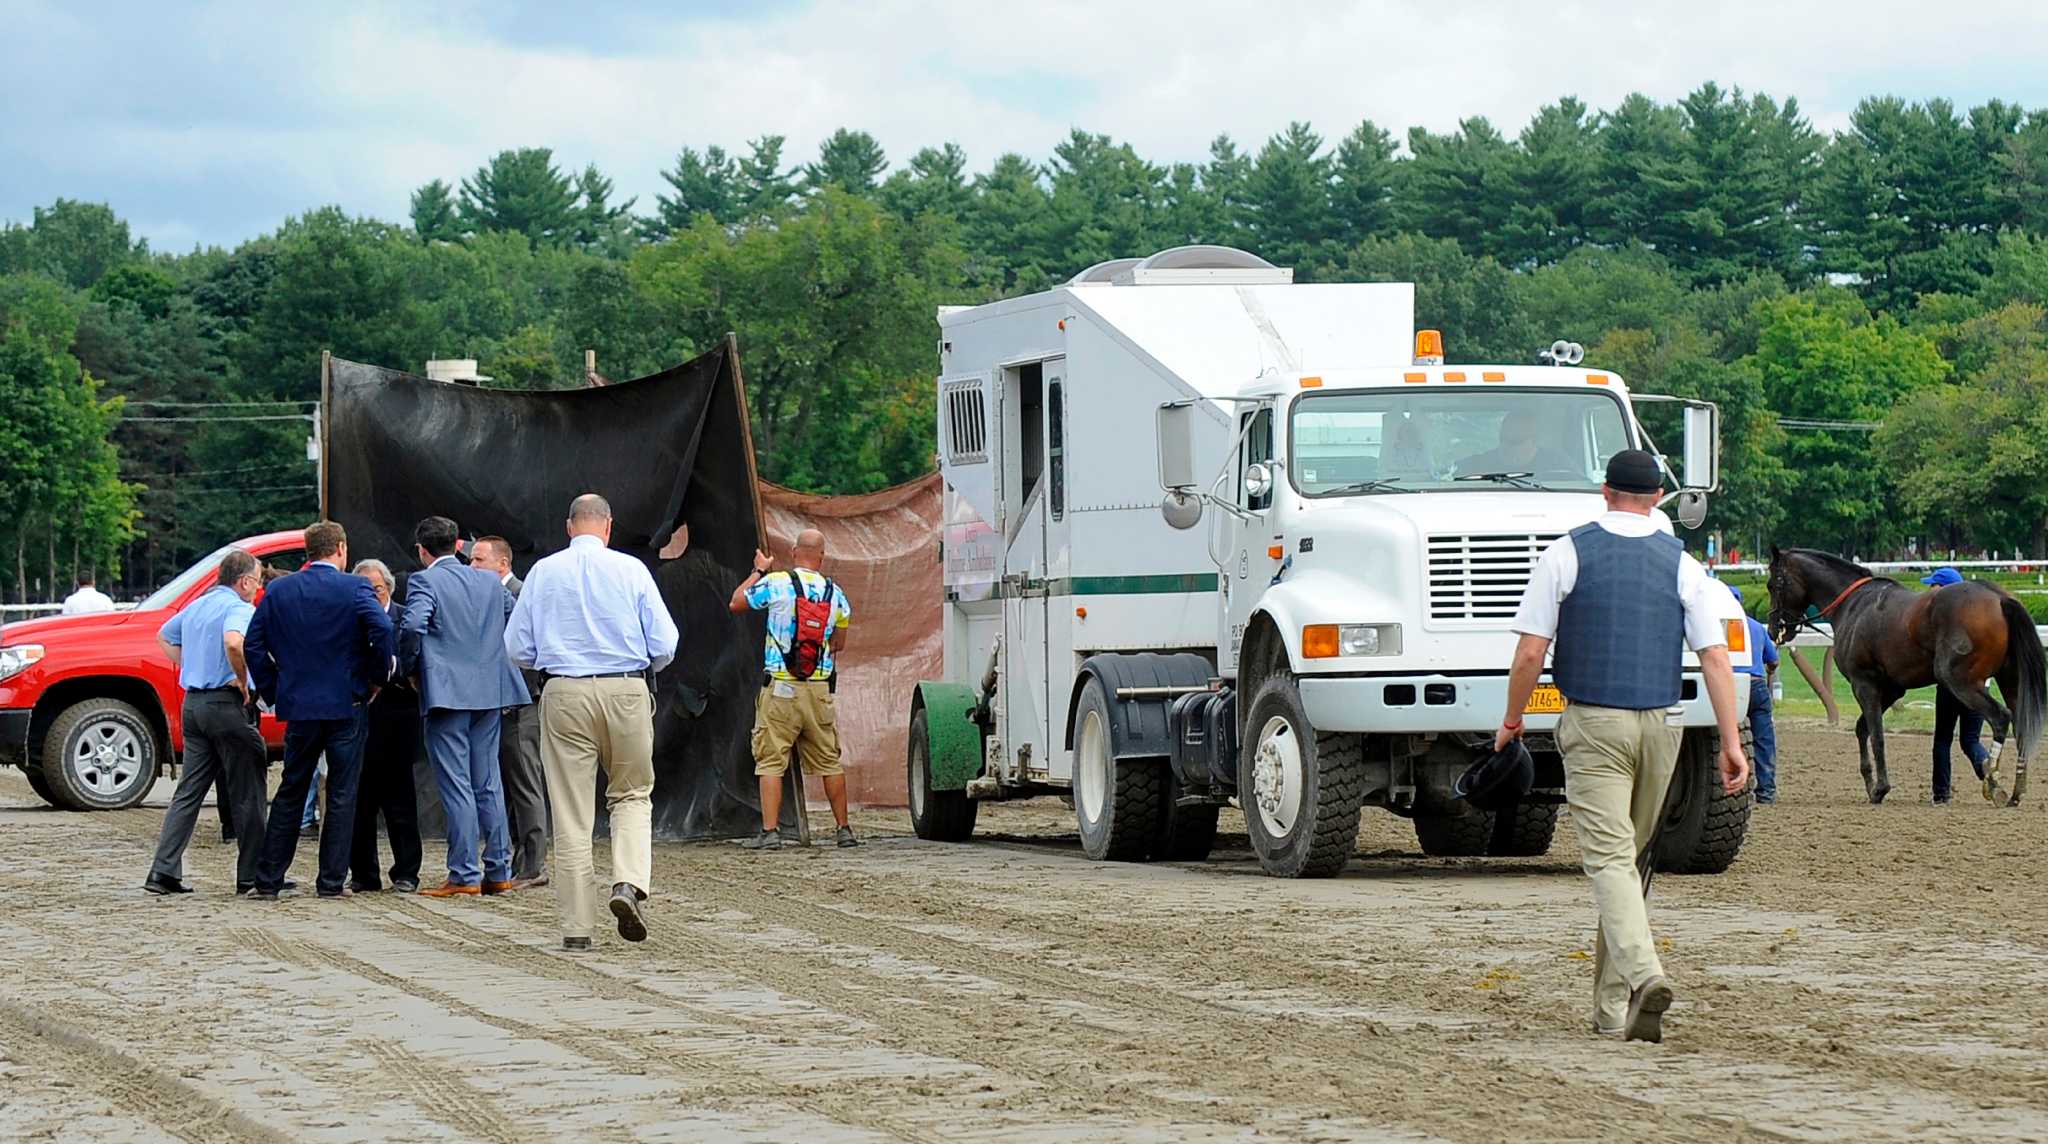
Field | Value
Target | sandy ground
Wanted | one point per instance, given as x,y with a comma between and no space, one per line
1863,973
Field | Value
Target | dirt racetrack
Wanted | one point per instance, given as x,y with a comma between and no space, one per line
1863,973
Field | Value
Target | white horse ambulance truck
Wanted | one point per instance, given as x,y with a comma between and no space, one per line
1315,617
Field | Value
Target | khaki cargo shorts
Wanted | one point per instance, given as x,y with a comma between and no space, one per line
798,716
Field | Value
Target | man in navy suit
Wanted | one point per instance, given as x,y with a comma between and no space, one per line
318,647
453,642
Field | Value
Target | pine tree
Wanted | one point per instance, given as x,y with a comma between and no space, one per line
522,192
434,217
849,160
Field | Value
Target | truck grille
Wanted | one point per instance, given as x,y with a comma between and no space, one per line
1480,576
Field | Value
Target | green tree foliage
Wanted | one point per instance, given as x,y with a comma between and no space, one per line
522,192
849,160
436,217
1685,243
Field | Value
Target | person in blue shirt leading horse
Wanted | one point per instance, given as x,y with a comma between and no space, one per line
1763,677
1949,712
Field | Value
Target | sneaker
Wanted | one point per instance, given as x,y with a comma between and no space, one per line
626,907
1646,1008
766,840
846,838
242,888
404,886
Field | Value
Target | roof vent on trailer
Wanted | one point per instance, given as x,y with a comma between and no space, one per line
1187,265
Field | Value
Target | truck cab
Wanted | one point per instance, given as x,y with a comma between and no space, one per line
89,705
1316,618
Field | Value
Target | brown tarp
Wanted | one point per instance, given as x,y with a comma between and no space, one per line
883,549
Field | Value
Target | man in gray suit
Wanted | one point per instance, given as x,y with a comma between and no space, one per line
526,791
453,643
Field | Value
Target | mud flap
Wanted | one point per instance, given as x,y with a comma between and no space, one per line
955,740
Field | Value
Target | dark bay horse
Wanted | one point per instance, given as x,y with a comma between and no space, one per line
1890,639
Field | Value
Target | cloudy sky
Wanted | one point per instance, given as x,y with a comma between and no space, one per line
210,122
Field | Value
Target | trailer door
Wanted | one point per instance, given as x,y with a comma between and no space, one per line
1028,491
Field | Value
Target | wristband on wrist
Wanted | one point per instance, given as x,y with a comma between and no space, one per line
1514,726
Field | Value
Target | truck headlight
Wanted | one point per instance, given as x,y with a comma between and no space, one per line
15,659
1331,641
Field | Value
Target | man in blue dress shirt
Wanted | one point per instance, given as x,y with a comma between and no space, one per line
221,741
593,623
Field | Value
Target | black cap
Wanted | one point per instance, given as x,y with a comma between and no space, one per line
1634,471
1498,780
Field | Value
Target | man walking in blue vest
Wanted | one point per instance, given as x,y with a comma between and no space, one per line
1621,599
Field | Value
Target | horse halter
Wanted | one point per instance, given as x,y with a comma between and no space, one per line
1804,622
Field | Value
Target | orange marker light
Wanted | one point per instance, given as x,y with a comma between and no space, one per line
1454,375
1493,375
1738,635
1063,323
1319,641
1276,552
1596,379
1311,383
1081,613
1414,378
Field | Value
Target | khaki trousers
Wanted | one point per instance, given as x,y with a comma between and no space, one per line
1617,766
586,723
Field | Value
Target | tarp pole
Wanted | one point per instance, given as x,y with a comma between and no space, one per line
326,388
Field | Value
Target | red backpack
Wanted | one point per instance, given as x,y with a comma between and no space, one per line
813,630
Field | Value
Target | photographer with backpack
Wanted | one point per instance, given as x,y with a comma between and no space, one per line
807,618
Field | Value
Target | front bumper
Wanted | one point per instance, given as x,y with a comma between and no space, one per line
1435,703
14,736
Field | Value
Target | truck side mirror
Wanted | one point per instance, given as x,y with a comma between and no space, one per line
1702,447
1176,432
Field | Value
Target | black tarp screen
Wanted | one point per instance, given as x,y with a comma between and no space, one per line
666,450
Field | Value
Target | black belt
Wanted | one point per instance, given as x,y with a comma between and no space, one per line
236,692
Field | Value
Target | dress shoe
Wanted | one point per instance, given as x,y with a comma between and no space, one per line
245,887
367,887
344,892
535,883
450,890
576,944
160,885
626,908
1646,1011
504,887
404,886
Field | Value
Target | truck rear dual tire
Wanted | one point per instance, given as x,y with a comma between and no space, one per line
1703,825
99,754
1120,805
1301,790
935,815
1524,831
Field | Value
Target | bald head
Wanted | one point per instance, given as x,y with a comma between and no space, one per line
809,550
591,515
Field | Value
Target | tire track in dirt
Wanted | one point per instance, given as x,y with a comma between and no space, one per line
444,1097
1233,1033
711,1076
164,1101
1830,1042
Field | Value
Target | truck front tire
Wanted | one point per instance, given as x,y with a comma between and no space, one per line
99,754
1703,825
935,815
1300,789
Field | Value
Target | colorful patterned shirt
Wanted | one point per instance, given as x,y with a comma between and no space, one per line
776,593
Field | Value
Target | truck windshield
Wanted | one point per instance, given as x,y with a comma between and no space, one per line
1346,444
167,595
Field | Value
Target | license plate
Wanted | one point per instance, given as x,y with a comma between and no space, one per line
1545,700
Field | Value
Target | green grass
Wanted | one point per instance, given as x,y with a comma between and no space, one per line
1915,712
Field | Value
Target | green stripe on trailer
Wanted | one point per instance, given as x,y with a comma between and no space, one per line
955,741
1134,585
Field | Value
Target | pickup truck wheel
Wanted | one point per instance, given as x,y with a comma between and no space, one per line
935,815
1703,825
99,754
1301,789
1464,833
1119,804
1524,831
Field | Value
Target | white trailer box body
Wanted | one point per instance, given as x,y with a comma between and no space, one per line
1053,536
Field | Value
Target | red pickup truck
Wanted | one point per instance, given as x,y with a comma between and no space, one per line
89,704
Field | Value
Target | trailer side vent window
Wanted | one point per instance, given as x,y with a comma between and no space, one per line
966,423
1056,420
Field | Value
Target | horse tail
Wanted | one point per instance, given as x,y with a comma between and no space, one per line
2024,654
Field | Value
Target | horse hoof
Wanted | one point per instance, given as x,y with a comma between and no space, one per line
1877,796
